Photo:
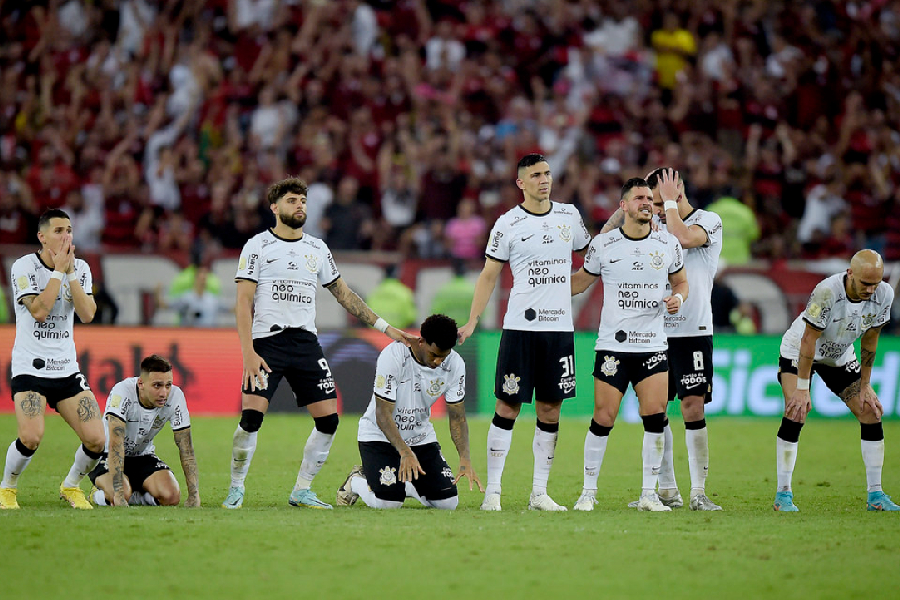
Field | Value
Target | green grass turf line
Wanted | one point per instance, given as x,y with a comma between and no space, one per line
267,549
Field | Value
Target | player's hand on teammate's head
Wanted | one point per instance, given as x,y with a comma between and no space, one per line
466,331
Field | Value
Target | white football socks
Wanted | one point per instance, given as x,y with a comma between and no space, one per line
498,443
314,456
785,459
15,464
873,459
594,449
244,445
83,465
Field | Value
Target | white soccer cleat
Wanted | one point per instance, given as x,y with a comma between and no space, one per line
345,494
674,501
491,502
650,502
544,502
586,501
702,502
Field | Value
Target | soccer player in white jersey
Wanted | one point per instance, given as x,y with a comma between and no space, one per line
636,265
49,288
690,334
136,410
400,453
537,348
841,309
277,277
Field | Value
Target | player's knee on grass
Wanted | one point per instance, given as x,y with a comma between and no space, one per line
251,420
169,497
327,424
445,503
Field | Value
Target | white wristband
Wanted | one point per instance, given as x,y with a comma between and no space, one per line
670,205
72,276
58,275
802,384
381,325
679,296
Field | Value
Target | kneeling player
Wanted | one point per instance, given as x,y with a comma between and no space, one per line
400,453
136,410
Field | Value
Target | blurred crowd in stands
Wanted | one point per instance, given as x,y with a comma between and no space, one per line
158,125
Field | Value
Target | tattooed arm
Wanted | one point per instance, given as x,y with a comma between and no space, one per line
115,461
615,221
357,307
410,468
459,433
868,345
189,466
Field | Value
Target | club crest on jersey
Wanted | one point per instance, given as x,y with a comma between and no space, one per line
312,263
565,233
656,260
867,320
388,476
511,384
610,366
67,293
434,390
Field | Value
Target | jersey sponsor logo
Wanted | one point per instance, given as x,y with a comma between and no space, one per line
567,384
630,295
692,380
435,388
541,273
614,261
527,237
654,360
673,321
251,262
831,350
326,384
312,263
48,330
550,315
548,239
610,366
641,337
495,243
656,260
637,266
269,261
565,233
511,384
285,291
388,476
447,472
267,242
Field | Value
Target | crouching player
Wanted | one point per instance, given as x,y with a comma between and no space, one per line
400,453
136,410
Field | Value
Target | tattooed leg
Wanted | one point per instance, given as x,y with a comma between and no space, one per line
30,418
83,416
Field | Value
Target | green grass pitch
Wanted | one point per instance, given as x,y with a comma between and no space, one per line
832,549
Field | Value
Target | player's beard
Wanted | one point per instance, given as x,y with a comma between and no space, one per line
638,217
292,220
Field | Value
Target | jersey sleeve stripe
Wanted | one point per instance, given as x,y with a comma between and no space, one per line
332,282
583,248
385,399
112,414
678,271
236,279
813,325
494,258
590,273
181,428
23,296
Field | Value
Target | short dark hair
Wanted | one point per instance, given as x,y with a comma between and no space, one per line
439,330
291,185
52,213
529,160
654,177
155,364
631,184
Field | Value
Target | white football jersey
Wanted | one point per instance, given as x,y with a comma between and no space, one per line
287,274
840,319
414,388
635,277
45,349
539,250
695,316
141,423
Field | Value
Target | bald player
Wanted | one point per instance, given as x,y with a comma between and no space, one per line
842,308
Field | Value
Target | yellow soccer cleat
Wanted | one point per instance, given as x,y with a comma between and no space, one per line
75,497
8,498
